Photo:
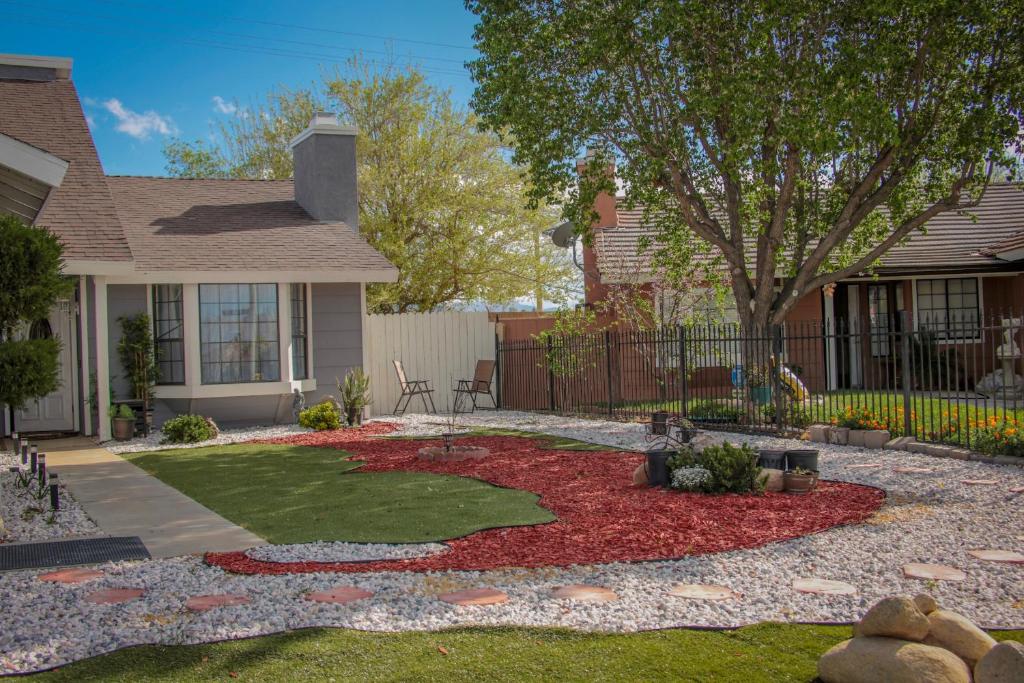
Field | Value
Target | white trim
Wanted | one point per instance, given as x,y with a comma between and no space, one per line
171,391
284,331
309,329
62,65
190,336
981,307
36,163
830,343
91,267
83,315
102,359
323,129
233,276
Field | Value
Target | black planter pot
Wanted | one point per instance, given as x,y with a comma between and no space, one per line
657,467
803,458
659,422
686,433
771,459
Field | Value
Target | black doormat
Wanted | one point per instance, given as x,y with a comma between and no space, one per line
69,553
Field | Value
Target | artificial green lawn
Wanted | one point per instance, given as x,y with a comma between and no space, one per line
298,494
765,652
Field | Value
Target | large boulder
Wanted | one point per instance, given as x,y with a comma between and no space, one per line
895,618
925,603
640,475
873,659
957,634
773,479
1004,663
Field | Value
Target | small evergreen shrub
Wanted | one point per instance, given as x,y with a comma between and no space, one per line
692,479
733,469
189,429
714,411
321,417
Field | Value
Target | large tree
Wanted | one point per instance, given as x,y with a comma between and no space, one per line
437,196
794,142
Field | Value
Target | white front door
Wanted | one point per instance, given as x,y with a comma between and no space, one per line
54,412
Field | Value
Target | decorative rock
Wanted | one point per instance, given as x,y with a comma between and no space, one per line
997,556
839,435
896,617
584,593
823,587
775,481
640,475
979,482
114,596
960,454
475,596
925,603
78,575
900,443
918,447
819,433
1018,489
938,572
876,438
865,466
1004,663
938,450
957,634
872,659
911,470
339,595
699,591
201,603
856,438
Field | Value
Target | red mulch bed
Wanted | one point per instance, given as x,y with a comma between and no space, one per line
602,517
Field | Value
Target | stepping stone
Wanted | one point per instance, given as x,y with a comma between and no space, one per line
78,575
1019,489
584,593
114,596
475,596
997,556
700,591
340,595
979,482
865,466
823,587
939,572
911,470
201,603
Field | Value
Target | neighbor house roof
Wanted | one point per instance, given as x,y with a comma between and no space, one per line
46,115
177,224
964,241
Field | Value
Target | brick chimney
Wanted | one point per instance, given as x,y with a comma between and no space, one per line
325,170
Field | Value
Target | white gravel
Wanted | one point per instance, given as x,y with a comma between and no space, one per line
152,442
25,518
344,552
929,517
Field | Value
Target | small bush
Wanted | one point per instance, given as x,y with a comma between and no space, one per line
714,411
794,414
692,479
733,469
189,429
321,417
124,411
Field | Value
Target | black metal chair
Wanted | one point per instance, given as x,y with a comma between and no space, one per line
412,388
480,384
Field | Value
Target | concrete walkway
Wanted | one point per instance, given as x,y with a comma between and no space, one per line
126,501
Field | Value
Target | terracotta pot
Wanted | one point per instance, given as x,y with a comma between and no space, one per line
799,483
123,428
876,438
839,436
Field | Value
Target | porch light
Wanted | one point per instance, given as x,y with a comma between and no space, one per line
24,451
54,492
33,459
41,469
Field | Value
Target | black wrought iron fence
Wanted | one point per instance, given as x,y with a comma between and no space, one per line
955,381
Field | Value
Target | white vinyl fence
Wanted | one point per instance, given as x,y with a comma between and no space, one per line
441,348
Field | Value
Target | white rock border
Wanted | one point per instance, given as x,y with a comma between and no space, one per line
339,551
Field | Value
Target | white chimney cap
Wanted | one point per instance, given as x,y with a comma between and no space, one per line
323,123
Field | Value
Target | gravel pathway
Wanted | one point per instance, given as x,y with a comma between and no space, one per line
26,519
344,552
152,442
930,517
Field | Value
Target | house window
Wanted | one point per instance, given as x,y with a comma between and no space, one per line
300,364
949,308
238,333
168,333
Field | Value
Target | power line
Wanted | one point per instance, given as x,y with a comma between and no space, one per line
301,27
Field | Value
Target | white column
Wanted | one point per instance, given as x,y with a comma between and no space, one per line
830,342
102,358
284,329
190,323
83,311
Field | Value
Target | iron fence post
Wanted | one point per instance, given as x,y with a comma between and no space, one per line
608,367
497,368
551,375
683,379
907,373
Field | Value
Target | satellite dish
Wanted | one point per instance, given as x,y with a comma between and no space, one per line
563,235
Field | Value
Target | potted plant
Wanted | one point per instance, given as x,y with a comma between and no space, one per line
136,351
122,420
686,430
355,395
799,480
803,458
772,459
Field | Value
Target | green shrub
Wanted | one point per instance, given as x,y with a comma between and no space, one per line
124,411
30,368
714,410
998,436
321,417
189,429
794,414
733,469
355,394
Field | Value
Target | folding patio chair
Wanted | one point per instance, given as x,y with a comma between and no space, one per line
480,384
411,388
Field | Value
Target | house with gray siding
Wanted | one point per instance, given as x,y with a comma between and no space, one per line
255,288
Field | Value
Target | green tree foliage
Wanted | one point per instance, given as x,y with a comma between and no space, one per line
437,196
30,284
794,141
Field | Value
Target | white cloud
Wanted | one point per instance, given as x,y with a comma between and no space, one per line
91,121
223,106
139,126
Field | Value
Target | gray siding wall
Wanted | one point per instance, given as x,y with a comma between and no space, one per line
122,300
337,335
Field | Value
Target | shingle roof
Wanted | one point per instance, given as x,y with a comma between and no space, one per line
47,115
954,241
177,224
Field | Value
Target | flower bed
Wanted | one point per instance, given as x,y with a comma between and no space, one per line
602,517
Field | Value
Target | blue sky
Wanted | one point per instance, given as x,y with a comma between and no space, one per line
147,71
